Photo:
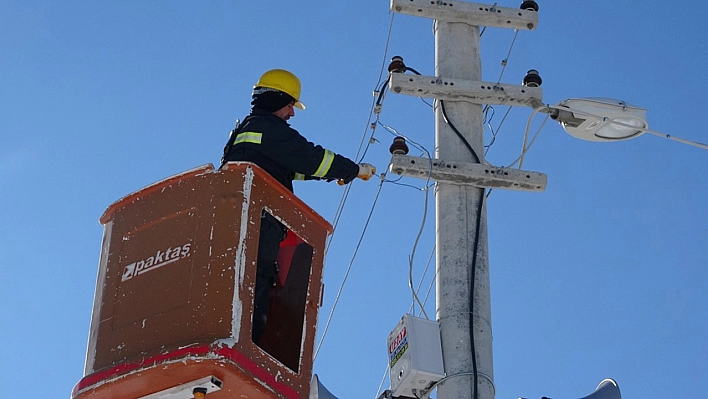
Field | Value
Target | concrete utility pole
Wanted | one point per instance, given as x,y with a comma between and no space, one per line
463,293
458,297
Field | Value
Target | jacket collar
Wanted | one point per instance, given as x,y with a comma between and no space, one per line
266,114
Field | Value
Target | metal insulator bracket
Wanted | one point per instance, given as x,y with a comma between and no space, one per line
474,174
466,90
469,13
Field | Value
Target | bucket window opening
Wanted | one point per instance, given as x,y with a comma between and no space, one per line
283,271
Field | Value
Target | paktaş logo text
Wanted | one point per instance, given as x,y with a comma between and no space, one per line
161,258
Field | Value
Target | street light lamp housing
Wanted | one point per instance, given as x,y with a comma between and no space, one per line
600,119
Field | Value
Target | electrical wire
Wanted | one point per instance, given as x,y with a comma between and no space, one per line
381,71
381,91
480,208
471,298
345,195
525,148
474,254
425,211
414,292
505,61
475,246
422,278
430,286
376,111
349,268
426,188
504,64
457,132
408,185
484,28
375,108
488,122
495,132
413,70
428,391
338,215
412,256
475,372
386,370
383,378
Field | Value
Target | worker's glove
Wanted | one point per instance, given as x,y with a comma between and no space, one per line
366,170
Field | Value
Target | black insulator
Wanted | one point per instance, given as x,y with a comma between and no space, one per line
529,5
399,146
532,78
397,64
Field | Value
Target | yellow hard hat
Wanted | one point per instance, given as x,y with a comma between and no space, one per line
285,81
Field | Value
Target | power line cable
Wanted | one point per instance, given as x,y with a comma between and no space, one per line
457,132
422,278
525,148
383,378
474,253
342,202
425,210
412,256
471,297
349,268
504,64
505,61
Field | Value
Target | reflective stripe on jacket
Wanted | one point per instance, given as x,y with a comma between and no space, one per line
248,137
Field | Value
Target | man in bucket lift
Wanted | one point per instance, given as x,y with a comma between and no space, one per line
266,139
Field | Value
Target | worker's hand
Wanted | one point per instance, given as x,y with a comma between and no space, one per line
366,170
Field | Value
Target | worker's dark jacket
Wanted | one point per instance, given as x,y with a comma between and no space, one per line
270,142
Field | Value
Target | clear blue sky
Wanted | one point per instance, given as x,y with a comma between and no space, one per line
602,275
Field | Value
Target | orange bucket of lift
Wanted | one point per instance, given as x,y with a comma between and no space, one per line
173,306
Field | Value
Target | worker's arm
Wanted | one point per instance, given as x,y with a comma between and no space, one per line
311,160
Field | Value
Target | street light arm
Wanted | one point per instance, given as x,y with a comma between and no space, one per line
678,139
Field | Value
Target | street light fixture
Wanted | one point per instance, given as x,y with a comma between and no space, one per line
600,119
605,119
